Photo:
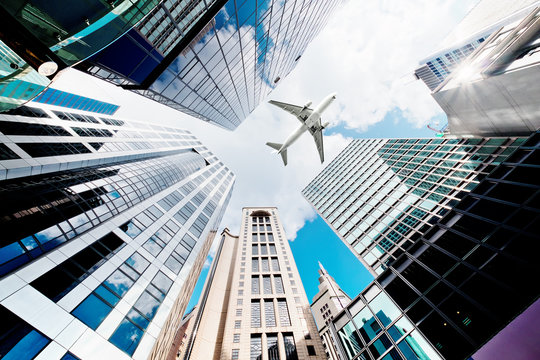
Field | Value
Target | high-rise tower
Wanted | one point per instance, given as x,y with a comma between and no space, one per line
106,225
254,305
380,195
463,289
215,60
328,302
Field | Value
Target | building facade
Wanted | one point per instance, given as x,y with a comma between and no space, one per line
380,195
40,38
493,94
254,305
484,19
215,60
106,225
459,290
328,302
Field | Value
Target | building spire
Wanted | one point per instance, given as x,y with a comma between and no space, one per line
322,270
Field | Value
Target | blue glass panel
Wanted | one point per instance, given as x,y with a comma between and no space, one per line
132,230
11,251
119,283
126,337
28,347
92,311
147,305
107,295
69,356
138,319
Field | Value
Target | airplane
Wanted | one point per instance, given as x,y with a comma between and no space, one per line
310,119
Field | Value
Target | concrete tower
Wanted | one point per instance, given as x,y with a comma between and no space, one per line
329,301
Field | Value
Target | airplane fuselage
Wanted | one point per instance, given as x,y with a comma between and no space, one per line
311,121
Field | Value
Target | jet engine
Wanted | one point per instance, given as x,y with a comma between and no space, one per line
308,104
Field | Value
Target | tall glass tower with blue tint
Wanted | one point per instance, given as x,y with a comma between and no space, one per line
443,224
215,60
106,224
380,195
463,289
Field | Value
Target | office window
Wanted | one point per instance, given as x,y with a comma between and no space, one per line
269,313
278,283
236,338
273,250
239,301
254,237
254,249
267,284
265,264
255,264
255,352
255,290
272,343
284,318
238,312
93,310
235,354
19,340
275,264
264,249
290,347
237,324
58,281
311,350
255,314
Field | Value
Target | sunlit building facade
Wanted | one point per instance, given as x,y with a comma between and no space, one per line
380,195
106,225
215,60
485,18
459,291
494,94
254,305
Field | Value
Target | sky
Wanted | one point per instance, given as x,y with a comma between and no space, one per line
367,54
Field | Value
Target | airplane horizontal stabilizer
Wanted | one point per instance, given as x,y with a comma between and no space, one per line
274,146
284,157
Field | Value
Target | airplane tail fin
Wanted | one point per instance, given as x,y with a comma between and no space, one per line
274,146
284,157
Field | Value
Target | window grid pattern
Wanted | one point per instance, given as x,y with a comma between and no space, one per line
236,60
382,194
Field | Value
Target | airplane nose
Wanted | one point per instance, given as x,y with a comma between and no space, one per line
334,95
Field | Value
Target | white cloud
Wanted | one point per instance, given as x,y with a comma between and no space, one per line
366,53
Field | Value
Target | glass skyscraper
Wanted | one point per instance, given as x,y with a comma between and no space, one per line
39,38
214,60
380,195
464,280
106,224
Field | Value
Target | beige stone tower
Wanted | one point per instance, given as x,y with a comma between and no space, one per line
253,305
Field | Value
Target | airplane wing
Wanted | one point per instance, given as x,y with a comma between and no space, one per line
317,134
299,111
